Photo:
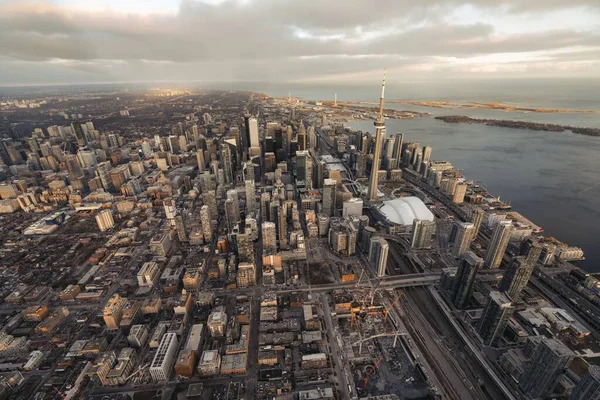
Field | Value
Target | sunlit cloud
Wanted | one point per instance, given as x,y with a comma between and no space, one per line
294,40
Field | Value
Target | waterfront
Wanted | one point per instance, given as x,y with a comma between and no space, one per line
551,178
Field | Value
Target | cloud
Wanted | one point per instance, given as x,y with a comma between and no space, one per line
283,40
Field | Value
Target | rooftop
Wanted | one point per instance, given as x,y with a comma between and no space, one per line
405,210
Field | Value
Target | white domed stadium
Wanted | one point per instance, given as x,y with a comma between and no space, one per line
404,210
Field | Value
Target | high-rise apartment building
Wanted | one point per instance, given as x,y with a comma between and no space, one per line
549,360
465,234
421,233
464,280
496,314
498,244
459,193
531,249
588,387
516,276
105,220
476,216
378,254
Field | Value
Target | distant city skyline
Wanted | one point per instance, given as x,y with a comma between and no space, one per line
68,41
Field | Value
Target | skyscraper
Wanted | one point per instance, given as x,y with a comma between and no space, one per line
498,244
254,138
462,288
378,254
588,387
265,198
421,233
246,137
426,153
329,196
209,198
75,171
312,138
496,314
200,160
465,234
516,277
302,137
388,151
397,153
174,144
227,163
233,195
282,227
531,249
304,168
230,218
102,171
549,360
372,194
250,196
205,219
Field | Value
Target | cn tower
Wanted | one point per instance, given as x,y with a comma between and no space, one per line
379,132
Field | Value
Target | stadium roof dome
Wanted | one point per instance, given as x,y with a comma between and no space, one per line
404,210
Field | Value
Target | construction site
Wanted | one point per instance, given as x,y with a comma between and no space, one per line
375,343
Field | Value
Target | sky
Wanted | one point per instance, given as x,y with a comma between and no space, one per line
300,41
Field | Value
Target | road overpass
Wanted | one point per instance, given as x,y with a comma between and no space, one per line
388,282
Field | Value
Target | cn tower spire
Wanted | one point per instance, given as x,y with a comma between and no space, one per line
380,117
373,193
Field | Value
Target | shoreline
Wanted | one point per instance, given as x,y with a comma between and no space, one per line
487,106
534,126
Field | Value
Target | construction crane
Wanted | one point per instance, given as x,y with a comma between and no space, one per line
370,372
387,310
360,278
395,335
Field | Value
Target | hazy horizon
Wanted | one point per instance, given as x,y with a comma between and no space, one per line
304,42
